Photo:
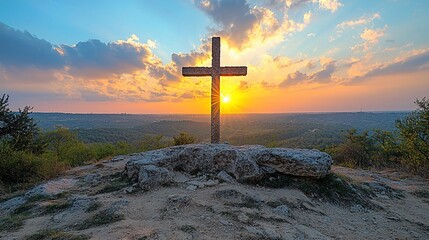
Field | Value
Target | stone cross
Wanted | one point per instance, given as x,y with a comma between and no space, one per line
215,71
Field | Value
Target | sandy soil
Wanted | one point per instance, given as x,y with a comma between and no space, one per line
223,210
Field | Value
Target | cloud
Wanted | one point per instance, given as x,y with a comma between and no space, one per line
91,58
89,70
361,21
331,5
243,26
294,78
22,49
112,58
243,85
195,94
235,17
325,74
416,62
370,37
94,96
193,58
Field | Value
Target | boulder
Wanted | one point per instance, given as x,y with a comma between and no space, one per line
154,168
298,162
151,176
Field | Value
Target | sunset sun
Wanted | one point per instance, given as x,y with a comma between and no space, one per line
226,99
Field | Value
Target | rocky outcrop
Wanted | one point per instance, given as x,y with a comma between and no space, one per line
156,167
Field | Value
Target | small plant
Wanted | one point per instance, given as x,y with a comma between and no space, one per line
188,229
13,222
57,207
421,193
101,218
24,208
93,206
113,187
37,198
55,234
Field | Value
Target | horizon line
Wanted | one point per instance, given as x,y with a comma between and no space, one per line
247,113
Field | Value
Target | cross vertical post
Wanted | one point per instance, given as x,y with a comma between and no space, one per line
215,92
215,71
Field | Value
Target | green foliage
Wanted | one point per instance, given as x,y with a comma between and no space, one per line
60,141
414,137
12,223
184,138
152,142
18,130
355,150
103,150
113,187
17,166
379,149
56,207
388,151
52,234
101,218
406,148
93,207
422,193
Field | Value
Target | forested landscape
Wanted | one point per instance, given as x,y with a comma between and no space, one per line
38,146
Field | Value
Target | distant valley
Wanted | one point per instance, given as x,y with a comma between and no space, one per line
303,130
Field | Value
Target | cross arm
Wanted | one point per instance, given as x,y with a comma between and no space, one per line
196,71
233,71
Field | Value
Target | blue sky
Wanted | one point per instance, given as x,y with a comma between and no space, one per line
78,56
70,22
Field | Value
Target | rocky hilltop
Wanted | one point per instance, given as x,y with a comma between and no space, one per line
206,191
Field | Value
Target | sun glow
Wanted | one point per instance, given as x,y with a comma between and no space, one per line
226,99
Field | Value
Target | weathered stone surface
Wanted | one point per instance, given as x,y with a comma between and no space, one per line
224,176
153,168
151,176
52,188
48,189
298,162
282,210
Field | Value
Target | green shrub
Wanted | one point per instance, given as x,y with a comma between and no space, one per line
414,137
16,166
59,141
101,218
355,151
55,235
77,154
102,150
184,138
49,167
152,142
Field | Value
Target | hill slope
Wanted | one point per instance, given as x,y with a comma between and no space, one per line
96,202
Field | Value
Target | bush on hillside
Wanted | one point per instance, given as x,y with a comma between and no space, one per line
16,166
184,138
414,137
